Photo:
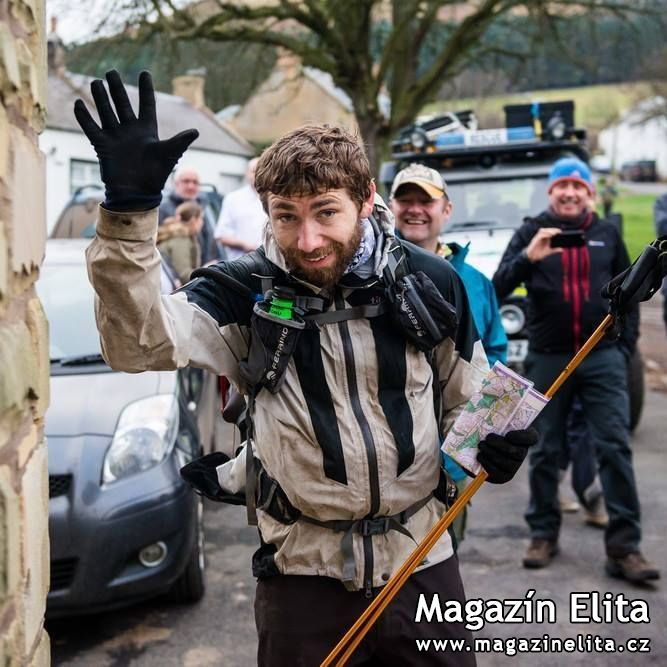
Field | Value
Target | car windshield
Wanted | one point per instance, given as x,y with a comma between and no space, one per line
498,203
67,298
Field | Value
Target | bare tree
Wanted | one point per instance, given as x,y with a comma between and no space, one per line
653,103
370,47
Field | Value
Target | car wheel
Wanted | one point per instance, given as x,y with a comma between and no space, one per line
191,585
636,388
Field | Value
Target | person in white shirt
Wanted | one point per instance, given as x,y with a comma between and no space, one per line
242,218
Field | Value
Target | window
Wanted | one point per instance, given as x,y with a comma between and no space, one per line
503,202
83,172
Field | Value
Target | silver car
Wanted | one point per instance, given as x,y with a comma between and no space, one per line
124,526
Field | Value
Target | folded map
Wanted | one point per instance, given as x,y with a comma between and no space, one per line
505,402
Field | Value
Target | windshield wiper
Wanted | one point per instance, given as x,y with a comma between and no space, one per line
80,360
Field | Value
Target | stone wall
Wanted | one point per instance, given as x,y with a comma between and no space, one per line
24,361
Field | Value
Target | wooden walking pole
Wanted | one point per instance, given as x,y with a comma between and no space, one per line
353,637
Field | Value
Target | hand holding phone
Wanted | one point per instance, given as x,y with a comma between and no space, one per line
569,238
540,245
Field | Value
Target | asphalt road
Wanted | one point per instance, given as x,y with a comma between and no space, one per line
641,188
220,630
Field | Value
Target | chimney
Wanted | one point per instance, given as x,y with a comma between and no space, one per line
55,50
190,87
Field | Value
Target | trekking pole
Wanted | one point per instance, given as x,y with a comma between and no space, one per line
351,640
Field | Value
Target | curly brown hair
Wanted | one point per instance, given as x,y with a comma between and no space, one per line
313,159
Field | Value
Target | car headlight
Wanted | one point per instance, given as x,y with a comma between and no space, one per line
512,318
145,435
418,139
556,128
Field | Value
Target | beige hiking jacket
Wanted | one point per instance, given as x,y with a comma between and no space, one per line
351,434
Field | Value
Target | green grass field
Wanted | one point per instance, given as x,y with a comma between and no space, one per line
638,229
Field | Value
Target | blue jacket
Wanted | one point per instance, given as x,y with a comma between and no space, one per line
485,313
483,303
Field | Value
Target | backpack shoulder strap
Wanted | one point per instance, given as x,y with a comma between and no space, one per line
397,263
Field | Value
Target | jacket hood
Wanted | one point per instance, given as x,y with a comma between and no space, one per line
381,214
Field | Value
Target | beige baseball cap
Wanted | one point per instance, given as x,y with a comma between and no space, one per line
429,180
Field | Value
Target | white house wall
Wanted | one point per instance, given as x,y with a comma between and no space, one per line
60,147
626,142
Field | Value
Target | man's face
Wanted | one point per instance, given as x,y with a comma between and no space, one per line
569,199
420,218
187,184
318,234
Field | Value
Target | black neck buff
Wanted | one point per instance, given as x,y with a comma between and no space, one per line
568,223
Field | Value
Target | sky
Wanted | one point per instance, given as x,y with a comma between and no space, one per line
75,20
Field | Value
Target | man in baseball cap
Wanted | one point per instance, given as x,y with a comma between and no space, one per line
429,180
421,206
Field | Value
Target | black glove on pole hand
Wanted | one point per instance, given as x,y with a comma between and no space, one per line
134,163
502,455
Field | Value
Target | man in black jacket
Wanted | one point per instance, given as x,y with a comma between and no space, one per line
565,307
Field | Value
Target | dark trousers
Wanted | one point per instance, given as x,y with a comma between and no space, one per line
300,619
580,454
600,382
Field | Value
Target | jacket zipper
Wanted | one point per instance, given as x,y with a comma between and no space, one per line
367,437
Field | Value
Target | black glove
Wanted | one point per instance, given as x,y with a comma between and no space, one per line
202,476
134,163
502,455
640,281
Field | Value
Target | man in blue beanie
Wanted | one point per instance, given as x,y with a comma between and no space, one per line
564,256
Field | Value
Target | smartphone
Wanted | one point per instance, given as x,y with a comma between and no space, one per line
570,238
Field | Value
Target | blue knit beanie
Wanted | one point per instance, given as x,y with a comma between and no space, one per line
571,169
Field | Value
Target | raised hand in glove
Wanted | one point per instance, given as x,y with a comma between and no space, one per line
134,163
502,455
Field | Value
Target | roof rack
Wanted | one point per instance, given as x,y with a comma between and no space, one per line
528,127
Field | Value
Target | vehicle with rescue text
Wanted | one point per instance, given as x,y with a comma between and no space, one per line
496,178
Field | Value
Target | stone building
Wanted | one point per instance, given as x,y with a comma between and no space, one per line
291,96
24,362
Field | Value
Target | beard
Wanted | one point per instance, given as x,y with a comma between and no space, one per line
330,275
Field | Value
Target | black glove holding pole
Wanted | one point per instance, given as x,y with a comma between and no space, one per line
502,455
640,281
134,163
